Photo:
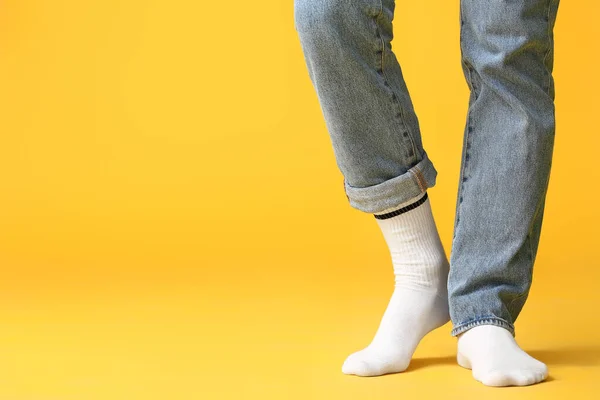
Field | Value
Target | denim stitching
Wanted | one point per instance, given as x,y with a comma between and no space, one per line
420,179
379,14
531,257
549,33
381,61
344,186
488,320
529,233
473,94
539,205
415,175
494,322
386,81
509,305
475,319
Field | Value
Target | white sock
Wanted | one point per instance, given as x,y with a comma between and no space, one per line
419,302
496,359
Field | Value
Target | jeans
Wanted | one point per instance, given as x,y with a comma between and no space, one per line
507,60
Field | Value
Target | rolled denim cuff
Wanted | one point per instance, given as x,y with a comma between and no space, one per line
392,192
489,320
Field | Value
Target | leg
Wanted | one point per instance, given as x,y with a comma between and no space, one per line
365,101
377,144
507,49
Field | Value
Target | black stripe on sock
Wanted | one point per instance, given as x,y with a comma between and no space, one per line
403,209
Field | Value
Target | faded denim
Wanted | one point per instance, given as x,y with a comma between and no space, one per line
507,53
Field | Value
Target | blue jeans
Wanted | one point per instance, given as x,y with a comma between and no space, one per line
507,60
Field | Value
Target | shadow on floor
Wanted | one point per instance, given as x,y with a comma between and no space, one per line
418,363
574,356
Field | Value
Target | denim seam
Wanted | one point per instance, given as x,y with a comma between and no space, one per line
528,238
539,205
509,305
381,61
405,126
549,34
490,320
464,161
482,318
401,187
529,233
535,214
419,178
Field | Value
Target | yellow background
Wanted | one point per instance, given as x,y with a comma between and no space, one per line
173,223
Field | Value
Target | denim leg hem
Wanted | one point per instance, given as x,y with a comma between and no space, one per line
460,328
395,191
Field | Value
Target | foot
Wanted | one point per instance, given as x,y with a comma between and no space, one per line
496,359
419,302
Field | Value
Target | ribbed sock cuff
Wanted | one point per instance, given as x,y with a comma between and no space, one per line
413,203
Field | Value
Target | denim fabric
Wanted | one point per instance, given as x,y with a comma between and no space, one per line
507,60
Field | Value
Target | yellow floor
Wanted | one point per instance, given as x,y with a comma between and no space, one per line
267,333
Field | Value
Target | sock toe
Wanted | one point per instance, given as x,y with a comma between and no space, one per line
358,368
493,378
524,378
354,365
496,358
365,364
